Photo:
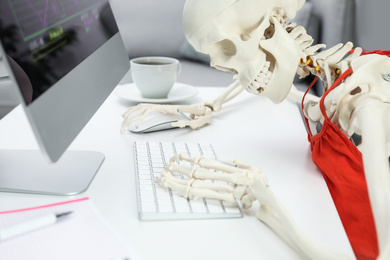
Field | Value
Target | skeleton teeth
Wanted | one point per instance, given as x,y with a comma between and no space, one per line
266,67
255,85
262,79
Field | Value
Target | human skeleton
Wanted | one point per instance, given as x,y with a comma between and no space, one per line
264,53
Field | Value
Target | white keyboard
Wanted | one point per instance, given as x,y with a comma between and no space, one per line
157,203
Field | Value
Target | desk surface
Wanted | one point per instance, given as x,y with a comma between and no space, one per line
249,128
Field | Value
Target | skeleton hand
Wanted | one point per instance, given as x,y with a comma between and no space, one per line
243,182
241,179
200,115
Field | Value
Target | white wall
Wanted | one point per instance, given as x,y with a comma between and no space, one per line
372,24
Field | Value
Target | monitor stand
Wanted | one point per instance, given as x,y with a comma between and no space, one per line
27,171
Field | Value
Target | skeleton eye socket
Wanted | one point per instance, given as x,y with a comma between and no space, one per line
227,47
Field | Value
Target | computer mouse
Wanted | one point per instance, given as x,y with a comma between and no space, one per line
155,121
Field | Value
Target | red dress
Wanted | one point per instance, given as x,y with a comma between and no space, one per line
341,164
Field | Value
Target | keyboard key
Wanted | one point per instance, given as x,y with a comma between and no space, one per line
198,206
230,208
148,207
145,182
214,206
181,205
165,208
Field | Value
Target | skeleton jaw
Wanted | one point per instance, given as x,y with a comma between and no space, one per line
275,78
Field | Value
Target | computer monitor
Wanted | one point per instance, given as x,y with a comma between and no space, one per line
64,57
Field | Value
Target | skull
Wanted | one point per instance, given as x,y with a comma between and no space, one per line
247,38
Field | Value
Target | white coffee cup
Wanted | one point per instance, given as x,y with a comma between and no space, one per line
154,76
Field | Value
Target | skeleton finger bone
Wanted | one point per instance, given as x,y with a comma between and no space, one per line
244,165
205,174
140,111
203,161
210,169
194,124
196,189
133,113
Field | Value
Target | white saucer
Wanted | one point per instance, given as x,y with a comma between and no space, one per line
178,92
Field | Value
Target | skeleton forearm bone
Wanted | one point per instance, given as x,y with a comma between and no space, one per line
200,115
245,183
297,96
311,111
232,91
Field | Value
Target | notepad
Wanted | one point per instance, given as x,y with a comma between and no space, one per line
83,235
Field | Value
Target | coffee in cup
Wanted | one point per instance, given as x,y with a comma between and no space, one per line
154,76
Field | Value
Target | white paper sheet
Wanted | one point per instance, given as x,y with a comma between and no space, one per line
83,235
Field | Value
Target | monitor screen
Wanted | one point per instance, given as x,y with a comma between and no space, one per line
63,57
48,38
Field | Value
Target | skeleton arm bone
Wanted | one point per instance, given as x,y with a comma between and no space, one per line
232,91
275,216
297,96
243,182
372,118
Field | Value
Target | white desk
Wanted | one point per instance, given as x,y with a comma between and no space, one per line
249,128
